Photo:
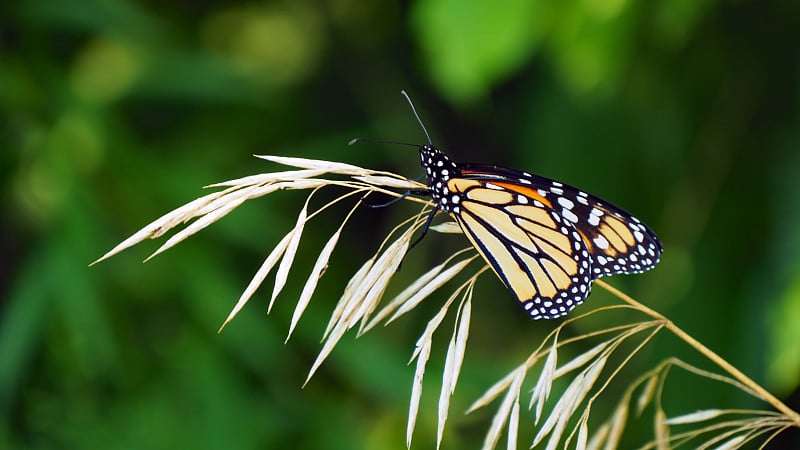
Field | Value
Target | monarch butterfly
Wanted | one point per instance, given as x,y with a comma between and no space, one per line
545,240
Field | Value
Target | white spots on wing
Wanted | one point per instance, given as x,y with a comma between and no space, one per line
569,215
556,190
594,217
565,202
601,242
522,200
638,235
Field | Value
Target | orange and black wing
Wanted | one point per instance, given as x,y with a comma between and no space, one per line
546,240
542,259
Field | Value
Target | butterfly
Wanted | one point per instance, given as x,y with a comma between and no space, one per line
545,240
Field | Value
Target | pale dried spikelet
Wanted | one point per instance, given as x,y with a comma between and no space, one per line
347,317
513,426
376,279
311,282
447,228
422,282
733,443
568,403
541,392
355,281
271,177
583,436
592,373
506,409
163,224
316,273
259,277
740,430
661,430
391,182
598,437
393,258
617,425
317,164
646,396
219,209
425,342
257,185
453,360
401,298
294,185
421,353
580,360
493,392
435,284
288,255
377,268
697,416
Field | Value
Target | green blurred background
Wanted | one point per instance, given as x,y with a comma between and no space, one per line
684,112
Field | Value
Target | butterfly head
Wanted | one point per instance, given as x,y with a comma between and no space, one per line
438,168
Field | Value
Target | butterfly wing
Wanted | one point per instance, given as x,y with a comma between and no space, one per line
542,259
546,240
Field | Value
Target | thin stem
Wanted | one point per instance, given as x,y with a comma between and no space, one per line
708,353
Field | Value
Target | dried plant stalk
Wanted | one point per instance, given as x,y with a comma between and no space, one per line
589,366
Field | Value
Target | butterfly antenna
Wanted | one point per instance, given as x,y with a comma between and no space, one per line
380,141
417,116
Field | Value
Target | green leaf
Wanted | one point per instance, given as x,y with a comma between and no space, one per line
471,45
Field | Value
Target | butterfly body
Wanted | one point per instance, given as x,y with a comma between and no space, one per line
547,241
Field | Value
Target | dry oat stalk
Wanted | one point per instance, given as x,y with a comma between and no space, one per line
592,360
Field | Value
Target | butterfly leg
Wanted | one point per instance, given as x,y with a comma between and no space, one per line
422,235
424,228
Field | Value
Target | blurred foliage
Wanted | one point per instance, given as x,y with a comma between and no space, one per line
684,112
